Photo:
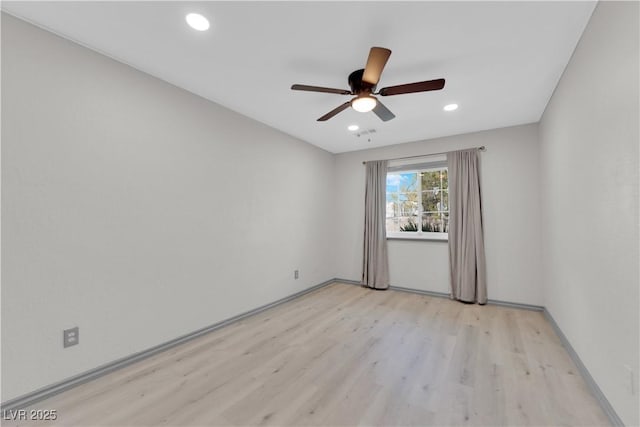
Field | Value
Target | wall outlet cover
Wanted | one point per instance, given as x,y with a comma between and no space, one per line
70,337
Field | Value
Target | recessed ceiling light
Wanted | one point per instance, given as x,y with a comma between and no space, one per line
450,107
197,22
353,127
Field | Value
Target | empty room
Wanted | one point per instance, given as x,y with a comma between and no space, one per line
320,213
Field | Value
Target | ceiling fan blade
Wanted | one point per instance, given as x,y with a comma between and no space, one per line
383,112
334,111
413,87
321,89
378,57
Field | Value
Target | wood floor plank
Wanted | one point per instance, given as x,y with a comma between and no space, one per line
344,355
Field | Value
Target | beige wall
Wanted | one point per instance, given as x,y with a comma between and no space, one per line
138,211
511,212
589,156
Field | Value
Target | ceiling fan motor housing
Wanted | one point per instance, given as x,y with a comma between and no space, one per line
357,85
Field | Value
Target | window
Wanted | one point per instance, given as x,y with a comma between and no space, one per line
418,203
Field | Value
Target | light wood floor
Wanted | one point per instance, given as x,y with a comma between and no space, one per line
345,355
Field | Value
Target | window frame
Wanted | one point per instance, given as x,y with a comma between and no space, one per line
419,234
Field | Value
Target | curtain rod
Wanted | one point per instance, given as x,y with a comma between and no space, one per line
481,148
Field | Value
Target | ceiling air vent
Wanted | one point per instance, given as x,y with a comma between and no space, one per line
364,132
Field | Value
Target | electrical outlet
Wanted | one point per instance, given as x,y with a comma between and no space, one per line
631,383
296,274
70,337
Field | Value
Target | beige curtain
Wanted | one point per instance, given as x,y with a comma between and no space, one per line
375,269
466,242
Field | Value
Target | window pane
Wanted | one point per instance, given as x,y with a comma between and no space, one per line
445,201
409,224
393,225
408,182
434,179
408,204
430,200
435,223
390,209
430,180
393,183
398,209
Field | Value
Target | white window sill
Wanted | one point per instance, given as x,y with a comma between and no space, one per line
439,237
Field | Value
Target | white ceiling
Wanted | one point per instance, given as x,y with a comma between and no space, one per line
501,60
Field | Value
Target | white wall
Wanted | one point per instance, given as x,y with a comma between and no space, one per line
589,157
511,212
140,212
137,211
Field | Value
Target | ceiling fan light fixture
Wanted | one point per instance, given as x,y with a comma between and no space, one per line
363,104
353,127
197,21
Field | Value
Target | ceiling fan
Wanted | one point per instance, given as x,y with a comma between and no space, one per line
363,85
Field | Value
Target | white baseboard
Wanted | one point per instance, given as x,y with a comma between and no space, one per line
446,295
